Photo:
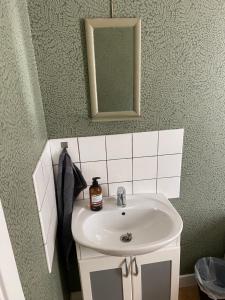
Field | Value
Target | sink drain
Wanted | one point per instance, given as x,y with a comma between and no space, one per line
127,237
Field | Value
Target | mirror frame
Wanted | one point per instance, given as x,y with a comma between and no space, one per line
90,25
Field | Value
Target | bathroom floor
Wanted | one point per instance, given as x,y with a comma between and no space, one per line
189,293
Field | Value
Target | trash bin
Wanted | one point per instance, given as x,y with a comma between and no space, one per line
210,276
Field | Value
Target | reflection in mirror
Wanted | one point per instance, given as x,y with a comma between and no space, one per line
114,67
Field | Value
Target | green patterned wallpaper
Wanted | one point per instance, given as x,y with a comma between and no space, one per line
22,138
183,86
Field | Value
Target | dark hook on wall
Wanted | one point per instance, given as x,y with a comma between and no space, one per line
64,145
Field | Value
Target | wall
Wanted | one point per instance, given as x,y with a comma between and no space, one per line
183,73
22,138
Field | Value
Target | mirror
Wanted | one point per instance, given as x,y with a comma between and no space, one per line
114,59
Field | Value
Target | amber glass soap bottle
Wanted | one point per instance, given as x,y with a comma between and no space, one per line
95,192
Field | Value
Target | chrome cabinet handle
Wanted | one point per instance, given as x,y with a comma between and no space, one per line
126,268
136,267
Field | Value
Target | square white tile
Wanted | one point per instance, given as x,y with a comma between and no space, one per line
113,188
56,149
48,206
92,148
48,254
46,162
144,186
119,170
144,168
169,165
145,143
40,184
104,191
50,245
119,146
170,141
170,187
94,169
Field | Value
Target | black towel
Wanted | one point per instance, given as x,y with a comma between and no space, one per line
70,183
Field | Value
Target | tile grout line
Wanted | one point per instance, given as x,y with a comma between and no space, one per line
46,187
142,179
107,171
122,158
168,177
138,180
78,146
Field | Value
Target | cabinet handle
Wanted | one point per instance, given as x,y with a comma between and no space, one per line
136,267
126,268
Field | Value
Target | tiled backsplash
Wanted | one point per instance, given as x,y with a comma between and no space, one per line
46,201
145,162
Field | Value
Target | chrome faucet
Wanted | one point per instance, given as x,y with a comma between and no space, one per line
121,196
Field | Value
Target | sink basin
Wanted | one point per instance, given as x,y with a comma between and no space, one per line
147,223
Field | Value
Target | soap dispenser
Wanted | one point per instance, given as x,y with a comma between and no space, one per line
95,192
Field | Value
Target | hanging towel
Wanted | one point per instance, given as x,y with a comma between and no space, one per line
70,183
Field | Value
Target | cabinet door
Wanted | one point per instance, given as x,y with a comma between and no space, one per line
155,276
106,278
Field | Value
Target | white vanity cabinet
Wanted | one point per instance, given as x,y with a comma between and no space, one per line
148,224
106,277
155,276
152,276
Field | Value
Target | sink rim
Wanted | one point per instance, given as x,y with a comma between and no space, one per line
81,212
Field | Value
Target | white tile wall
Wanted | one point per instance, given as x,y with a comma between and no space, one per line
144,168
92,148
49,204
39,184
50,245
169,165
119,146
170,141
46,201
169,187
145,143
144,186
142,162
119,170
94,169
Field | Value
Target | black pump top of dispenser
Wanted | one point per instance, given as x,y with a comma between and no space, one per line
95,181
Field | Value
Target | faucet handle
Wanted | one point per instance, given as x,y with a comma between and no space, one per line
121,190
121,196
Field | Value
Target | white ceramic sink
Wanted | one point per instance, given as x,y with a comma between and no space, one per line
150,218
